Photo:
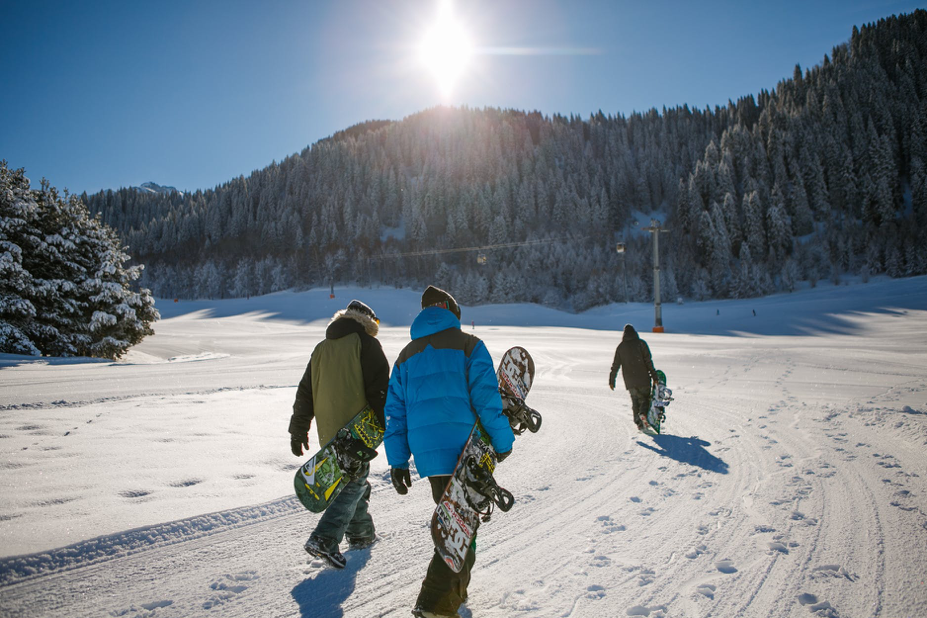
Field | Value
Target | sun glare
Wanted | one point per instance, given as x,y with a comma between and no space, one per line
445,50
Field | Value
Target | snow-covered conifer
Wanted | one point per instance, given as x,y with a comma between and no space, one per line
67,290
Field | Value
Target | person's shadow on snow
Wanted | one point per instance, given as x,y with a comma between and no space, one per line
323,595
691,451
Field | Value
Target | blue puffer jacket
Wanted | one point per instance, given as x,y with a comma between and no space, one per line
439,380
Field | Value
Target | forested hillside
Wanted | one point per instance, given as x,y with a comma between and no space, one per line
822,176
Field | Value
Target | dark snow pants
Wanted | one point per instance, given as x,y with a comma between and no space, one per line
347,515
640,404
444,590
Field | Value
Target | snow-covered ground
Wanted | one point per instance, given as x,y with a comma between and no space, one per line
790,480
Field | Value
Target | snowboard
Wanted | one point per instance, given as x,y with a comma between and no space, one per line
660,397
319,481
472,491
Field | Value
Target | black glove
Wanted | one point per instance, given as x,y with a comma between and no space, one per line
298,443
401,479
501,456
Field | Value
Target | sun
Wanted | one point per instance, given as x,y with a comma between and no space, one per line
445,50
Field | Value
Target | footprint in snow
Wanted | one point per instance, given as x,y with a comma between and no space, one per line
819,608
698,551
186,483
134,493
149,610
609,525
725,566
707,590
776,546
903,500
228,589
595,592
643,610
832,570
646,577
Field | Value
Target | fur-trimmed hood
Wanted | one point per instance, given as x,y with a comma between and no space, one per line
366,322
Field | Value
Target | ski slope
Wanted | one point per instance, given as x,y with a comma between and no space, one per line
790,481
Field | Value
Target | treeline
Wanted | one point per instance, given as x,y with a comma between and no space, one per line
823,176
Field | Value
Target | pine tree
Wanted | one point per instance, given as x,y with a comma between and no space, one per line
777,226
17,214
69,292
754,229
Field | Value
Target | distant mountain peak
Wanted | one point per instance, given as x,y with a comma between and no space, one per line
153,187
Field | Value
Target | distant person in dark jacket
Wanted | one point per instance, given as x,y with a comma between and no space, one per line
633,356
347,372
442,381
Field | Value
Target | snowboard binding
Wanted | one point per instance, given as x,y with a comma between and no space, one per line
521,416
479,479
352,453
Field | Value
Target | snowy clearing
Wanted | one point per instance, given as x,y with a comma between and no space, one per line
789,482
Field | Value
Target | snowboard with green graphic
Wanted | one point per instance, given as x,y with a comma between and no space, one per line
319,481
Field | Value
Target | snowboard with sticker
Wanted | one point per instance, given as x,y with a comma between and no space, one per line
319,481
660,397
472,491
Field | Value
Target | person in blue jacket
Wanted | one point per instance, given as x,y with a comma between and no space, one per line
442,381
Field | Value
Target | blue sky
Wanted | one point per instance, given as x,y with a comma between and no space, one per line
97,95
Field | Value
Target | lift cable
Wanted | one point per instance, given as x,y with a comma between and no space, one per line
539,241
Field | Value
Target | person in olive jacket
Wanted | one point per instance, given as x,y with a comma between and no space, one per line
347,371
633,356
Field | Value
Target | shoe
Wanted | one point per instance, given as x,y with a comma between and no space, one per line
421,613
334,558
364,543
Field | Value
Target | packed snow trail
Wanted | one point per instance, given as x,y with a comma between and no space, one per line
788,483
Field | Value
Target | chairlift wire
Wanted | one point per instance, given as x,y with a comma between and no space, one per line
506,245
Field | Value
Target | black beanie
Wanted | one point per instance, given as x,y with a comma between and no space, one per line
629,333
359,307
437,297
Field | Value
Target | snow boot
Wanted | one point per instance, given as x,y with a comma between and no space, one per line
364,543
333,558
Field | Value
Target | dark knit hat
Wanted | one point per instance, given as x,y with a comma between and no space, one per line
359,307
629,333
436,297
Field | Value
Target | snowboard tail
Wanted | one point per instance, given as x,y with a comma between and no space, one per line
319,481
